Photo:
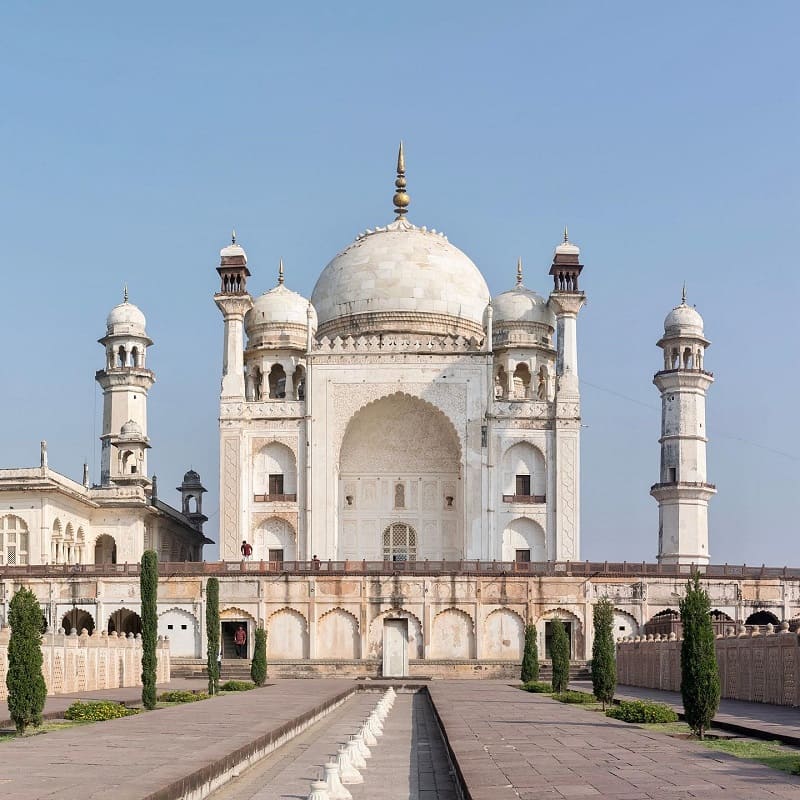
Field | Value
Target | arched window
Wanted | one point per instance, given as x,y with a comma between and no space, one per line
13,540
399,543
500,384
524,474
299,381
522,382
121,357
105,550
277,382
135,357
275,474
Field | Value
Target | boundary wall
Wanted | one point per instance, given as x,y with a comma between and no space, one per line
759,667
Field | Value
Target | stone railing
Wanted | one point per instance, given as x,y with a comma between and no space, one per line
79,662
754,666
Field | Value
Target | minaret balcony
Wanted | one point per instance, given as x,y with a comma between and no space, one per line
687,370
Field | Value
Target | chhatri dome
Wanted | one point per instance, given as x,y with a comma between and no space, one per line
521,306
400,278
125,319
683,320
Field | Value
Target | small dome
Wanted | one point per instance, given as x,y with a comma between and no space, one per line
191,478
131,430
279,306
126,318
401,279
683,320
568,249
522,305
232,251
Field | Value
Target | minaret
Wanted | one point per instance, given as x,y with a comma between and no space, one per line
234,302
125,382
682,491
566,301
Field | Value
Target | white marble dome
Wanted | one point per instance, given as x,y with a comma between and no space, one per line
683,320
126,318
131,430
401,279
279,306
522,305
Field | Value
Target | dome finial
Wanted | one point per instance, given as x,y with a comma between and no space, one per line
125,293
401,199
683,294
519,271
233,236
566,235
280,273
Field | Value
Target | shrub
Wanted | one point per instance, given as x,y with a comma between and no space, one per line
258,667
237,686
212,634
576,698
530,658
537,687
604,666
24,680
700,688
148,581
642,711
559,653
177,696
97,711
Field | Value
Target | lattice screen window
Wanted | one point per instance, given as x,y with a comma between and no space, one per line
399,543
13,541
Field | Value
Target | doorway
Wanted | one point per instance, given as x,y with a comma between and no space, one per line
395,648
548,634
226,637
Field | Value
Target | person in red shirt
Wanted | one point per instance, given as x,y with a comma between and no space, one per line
240,640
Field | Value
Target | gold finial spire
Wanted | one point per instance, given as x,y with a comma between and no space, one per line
566,235
401,199
233,236
519,271
125,293
280,273
683,294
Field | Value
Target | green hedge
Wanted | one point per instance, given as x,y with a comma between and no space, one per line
177,696
98,711
538,687
642,711
237,686
576,698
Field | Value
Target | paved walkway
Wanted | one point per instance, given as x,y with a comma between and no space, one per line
760,719
512,745
153,754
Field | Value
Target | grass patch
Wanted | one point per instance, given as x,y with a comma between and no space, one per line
237,686
576,698
537,687
46,727
771,754
98,711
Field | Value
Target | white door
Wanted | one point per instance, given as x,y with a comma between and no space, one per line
395,648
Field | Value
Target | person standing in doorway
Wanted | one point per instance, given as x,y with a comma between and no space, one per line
247,550
240,640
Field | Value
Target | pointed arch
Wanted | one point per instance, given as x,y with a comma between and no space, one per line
453,634
504,635
338,635
287,635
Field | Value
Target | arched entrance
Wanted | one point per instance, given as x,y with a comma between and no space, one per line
124,621
77,620
400,465
762,618
105,550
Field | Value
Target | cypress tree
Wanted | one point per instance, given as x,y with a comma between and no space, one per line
700,687
559,654
25,682
604,665
148,584
212,634
530,658
258,667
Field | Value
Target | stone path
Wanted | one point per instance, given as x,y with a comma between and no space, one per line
511,745
155,755
759,719
409,760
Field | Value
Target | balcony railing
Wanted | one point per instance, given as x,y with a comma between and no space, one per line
559,569
274,498
530,499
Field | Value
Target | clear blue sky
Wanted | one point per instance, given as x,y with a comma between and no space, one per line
133,138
